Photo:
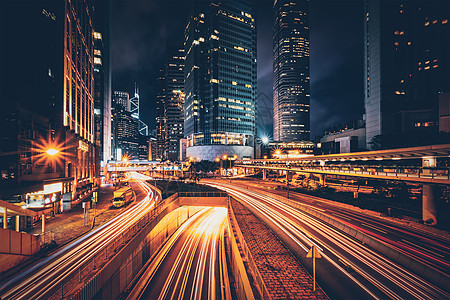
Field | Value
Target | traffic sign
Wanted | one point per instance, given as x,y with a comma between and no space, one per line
316,253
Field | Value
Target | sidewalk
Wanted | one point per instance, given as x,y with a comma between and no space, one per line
69,225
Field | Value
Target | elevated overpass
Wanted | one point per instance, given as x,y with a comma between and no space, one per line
378,165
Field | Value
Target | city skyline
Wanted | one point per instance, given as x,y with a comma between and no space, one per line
330,93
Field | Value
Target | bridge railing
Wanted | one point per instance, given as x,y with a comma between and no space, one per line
202,194
397,171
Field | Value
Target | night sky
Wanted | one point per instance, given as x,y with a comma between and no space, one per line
141,30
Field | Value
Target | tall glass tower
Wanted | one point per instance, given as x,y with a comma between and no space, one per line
291,82
220,80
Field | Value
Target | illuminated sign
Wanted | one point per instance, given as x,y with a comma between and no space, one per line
53,188
83,146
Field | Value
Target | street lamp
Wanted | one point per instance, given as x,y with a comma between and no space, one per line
52,151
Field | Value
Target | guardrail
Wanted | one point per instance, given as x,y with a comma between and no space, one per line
394,171
240,274
202,194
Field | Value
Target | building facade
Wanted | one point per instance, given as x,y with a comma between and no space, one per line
173,102
102,81
51,104
160,117
220,80
291,73
126,127
406,67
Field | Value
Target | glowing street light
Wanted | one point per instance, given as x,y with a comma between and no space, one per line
52,151
265,140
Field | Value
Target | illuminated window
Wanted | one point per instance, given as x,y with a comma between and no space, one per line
444,21
427,23
97,35
234,83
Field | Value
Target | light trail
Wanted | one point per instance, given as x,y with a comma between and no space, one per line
389,277
187,266
49,273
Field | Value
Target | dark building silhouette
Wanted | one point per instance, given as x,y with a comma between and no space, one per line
291,75
47,99
220,79
406,67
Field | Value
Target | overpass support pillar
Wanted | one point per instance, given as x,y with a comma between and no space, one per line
43,223
429,195
264,174
321,179
18,223
5,218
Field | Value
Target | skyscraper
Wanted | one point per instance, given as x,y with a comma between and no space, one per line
49,83
160,117
406,67
102,80
220,80
126,127
173,102
291,81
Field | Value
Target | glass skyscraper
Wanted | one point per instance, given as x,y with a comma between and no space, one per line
291,81
220,80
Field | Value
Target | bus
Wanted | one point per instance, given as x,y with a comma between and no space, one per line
123,196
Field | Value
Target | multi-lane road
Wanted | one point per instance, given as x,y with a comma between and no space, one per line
349,269
46,277
191,264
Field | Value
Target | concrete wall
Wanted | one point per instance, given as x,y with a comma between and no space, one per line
16,247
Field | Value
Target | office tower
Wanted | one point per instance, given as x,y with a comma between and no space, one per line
122,100
144,147
291,81
173,102
102,80
49,91
160,119
220,80
126,127
406,67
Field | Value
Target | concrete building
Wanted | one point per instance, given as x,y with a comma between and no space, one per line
406,67
350,137
291,79
220,80
49,89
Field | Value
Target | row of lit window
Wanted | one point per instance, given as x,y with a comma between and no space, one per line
436,21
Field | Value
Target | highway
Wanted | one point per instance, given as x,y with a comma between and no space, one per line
424,246
190,265
348,269
46,277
